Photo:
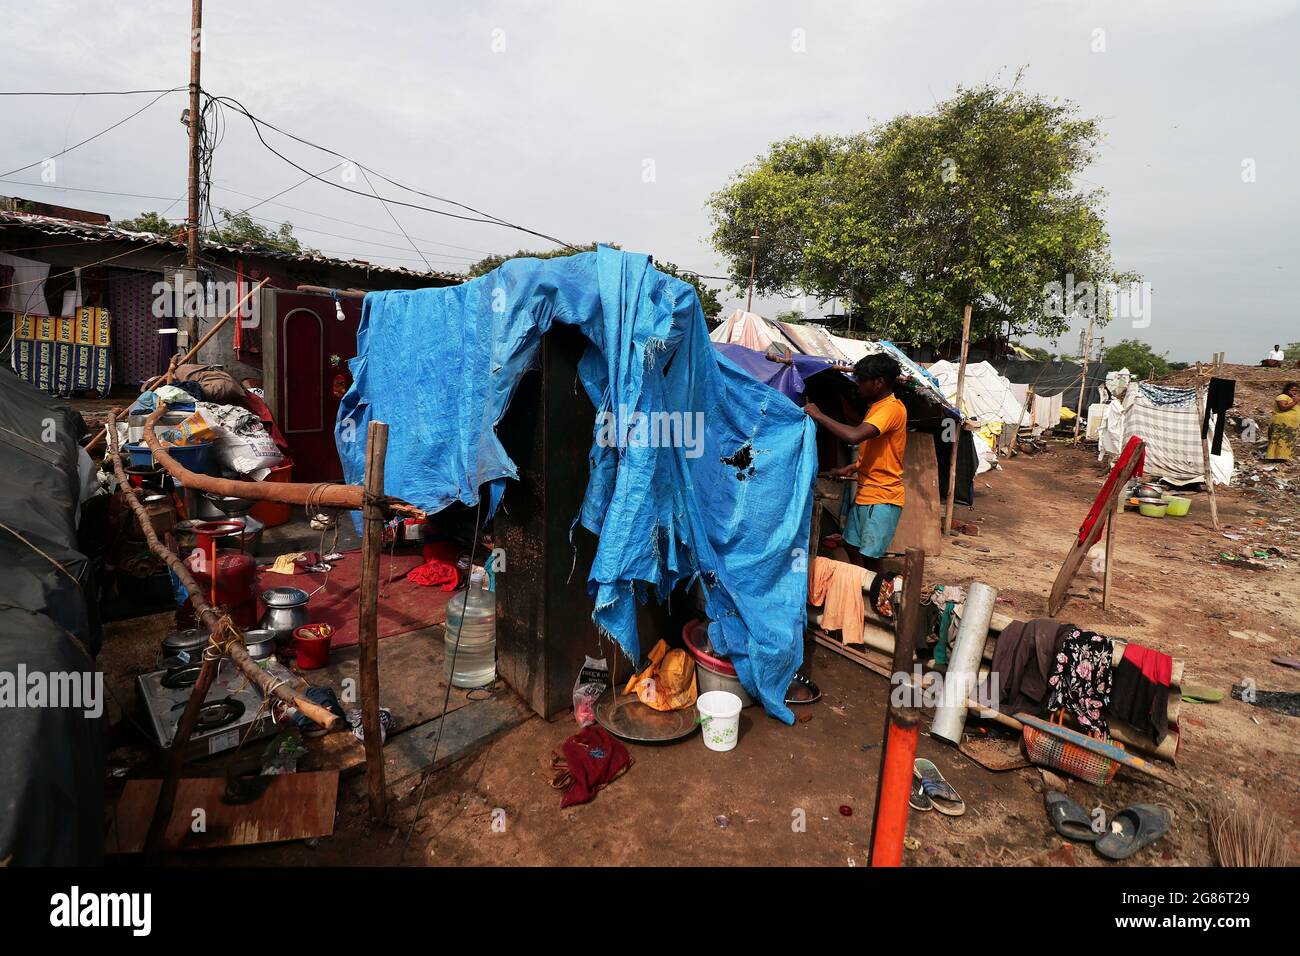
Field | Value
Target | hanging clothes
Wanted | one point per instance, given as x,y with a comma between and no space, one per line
1140,694
837,587
1219,397
1082,678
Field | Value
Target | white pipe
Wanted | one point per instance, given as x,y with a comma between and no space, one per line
959,682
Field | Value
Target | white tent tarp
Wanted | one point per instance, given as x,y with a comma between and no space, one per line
747,329
1167,420
986,397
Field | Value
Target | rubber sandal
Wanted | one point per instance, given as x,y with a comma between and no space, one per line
807,692
1139,825
1069,819
946,800
918,800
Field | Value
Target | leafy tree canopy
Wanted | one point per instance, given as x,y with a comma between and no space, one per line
1292,353
235,229
1137,357
790,315
709,300
972,203
238,229
149,222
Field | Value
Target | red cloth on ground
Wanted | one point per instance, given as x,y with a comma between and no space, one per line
1134,446
403,606
594,759
1155,666
439,568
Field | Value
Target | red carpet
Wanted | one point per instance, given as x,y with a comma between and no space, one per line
403,605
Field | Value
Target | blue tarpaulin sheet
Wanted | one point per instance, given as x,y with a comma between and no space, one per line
788,379
696,468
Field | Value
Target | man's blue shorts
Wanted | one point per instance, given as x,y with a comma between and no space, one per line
870,528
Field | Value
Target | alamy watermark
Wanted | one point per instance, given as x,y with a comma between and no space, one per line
657,429
76,690
1100,300
180,297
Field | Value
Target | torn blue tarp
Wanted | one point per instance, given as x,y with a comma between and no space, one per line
786,377
696,468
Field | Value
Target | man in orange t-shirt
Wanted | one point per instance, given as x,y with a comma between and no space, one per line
873,515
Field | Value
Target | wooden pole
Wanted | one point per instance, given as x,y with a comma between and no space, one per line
321,495
1110,557
753,265
1205,449
1083,380
902,727
196,127
372,546
961,423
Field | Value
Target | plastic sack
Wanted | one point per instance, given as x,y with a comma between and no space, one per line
196,429
593,680
252,453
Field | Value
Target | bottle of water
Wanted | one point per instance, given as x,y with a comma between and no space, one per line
471,614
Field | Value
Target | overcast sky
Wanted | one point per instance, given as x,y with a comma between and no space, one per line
614,122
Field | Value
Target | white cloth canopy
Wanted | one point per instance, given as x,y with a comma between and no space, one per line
747,329
986,397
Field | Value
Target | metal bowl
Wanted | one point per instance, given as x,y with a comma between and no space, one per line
230,504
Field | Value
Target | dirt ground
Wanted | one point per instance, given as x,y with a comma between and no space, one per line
803,794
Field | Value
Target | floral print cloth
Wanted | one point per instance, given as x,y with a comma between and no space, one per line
1082,680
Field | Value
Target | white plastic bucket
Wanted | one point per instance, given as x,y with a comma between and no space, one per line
719,719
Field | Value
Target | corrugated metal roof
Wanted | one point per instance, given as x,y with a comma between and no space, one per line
51,226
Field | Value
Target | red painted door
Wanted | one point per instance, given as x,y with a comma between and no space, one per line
313,347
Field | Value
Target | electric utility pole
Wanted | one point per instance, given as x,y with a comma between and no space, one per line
192,239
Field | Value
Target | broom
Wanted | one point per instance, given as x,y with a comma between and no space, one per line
1246,834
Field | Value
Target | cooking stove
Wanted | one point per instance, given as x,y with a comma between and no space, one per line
232,709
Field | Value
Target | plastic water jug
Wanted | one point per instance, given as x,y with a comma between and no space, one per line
471,620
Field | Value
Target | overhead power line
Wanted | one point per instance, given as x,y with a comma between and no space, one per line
96,136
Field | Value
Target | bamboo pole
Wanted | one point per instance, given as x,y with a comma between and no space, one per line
321,495
961,423
372,546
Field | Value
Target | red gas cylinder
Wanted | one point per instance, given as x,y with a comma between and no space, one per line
227,578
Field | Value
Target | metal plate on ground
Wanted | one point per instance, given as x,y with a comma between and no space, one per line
628,718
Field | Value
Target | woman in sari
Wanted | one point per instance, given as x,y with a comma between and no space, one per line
1284,431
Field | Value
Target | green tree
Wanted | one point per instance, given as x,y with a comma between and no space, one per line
1292,353
709,300
972,203
239,229
149,222
790,315
1137,357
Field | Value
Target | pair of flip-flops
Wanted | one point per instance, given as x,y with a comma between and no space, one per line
930,791
1129,831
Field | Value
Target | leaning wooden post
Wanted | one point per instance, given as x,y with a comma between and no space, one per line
1083,381
1110,557
902,726
1205,449
961,423
372,546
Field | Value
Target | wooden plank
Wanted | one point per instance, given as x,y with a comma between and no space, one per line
1079,549
464,731
921,524
295,806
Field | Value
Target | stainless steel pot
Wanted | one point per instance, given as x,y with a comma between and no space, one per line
286,609
260,643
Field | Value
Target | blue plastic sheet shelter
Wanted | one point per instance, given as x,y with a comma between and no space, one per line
697,470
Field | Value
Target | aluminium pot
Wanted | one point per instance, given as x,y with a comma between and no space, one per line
286,610
260,643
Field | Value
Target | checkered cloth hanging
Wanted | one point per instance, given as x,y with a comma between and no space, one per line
1171,429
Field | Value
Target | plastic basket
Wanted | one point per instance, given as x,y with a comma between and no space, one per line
1048,750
